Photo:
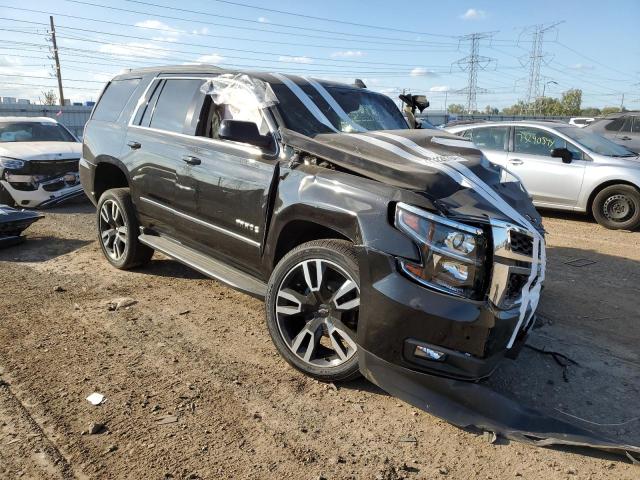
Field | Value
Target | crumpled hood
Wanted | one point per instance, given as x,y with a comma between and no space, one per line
41,150
353,151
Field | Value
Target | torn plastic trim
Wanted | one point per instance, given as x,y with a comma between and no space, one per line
241,90
474,405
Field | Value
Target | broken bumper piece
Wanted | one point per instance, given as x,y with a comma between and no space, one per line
474,405
13,222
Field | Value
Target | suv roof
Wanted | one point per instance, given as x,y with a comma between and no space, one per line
212,69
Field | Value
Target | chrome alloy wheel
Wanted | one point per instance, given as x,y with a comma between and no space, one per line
317,312
113,230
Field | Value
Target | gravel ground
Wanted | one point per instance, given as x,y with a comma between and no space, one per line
194,388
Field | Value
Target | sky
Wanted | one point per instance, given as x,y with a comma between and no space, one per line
392,46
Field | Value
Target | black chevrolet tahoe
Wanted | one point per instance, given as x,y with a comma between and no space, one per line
398,253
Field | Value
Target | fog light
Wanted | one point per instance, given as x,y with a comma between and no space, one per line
428,353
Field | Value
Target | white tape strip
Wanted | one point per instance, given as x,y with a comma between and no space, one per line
304,98
335,105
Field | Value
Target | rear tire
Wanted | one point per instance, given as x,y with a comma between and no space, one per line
6,198
312,306
118,230
617,207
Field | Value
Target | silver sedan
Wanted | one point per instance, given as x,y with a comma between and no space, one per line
564,167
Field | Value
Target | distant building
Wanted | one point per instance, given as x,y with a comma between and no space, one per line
77,104
89,103
8,99
67,101
23,101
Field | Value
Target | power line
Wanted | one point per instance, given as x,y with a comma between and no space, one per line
324,19
536,55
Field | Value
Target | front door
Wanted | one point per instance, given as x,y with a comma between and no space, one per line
493,141
547,179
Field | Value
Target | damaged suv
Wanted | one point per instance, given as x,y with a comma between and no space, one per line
402,254
38,162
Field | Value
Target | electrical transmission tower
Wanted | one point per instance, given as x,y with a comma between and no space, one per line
535,59
473,63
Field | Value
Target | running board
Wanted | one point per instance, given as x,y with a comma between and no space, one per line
206,265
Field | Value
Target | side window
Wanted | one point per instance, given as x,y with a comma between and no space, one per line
465,134
535,141
143,115
626,126
636,124
114,99
489,138
615,125
171,109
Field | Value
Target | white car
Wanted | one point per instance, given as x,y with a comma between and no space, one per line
38,162
581,121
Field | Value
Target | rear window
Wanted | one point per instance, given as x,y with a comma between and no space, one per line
114,98
488,138
175,99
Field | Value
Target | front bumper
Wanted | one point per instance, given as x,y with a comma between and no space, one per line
40,197
397,315
473,405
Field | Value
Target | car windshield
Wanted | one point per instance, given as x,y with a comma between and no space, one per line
367,109
596,143
33,132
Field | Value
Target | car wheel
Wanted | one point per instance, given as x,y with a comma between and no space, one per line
118,230
312,303
618,207
6,198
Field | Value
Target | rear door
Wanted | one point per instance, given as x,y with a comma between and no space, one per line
547,179
493,141
156,147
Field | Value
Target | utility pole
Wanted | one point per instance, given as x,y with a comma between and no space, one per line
622,103
473,63
57,60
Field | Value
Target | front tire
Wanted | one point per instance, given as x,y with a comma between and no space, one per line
312,304
118,229
617,207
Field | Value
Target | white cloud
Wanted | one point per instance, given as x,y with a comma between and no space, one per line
581,66
422,72
295,59
212,58
440,88
473,14
133,49
263,19
170,34
200,31
348,54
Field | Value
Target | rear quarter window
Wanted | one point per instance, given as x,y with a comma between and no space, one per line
114,99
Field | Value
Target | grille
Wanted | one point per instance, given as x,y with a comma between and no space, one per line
514,287
521,243
50,168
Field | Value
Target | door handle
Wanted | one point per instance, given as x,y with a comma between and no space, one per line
516,161
191,160
625,138
134,145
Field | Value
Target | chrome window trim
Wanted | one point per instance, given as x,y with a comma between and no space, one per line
201,222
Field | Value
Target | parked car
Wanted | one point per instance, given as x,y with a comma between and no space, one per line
581,121
565,168
38,162
397,253
622,128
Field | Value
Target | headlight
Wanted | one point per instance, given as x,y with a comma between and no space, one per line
12,163
452,253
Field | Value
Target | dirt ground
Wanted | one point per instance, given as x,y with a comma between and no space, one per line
194,388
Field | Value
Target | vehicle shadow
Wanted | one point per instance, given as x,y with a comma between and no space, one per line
567,215
75,205
40,249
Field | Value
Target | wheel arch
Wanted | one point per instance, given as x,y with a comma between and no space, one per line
109,173
604,185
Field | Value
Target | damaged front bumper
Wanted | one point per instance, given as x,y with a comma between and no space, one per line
474,405
39,191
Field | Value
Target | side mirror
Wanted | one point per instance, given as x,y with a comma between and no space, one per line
562,153
244,132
